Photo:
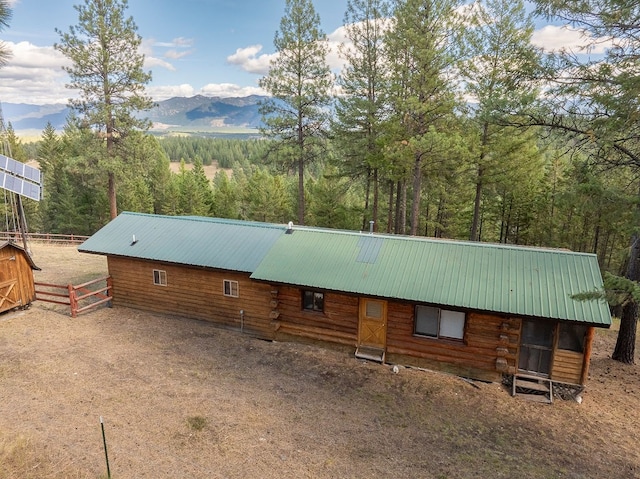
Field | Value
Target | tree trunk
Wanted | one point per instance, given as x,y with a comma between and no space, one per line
626,343
113,206
417,190
390,210
402,208
396,224
474,236
301,191
376,199
475,224
367,194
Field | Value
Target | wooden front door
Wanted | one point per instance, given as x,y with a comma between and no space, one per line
372,325
536,347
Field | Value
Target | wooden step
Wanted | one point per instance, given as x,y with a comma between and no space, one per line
372,354
535,386
532,388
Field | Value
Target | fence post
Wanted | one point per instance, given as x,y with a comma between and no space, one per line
73,302
110,290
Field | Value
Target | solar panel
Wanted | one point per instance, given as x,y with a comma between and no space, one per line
20,178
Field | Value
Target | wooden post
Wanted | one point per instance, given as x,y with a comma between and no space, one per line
73,302
588,343
110,290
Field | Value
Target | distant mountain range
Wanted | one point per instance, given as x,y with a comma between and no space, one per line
195,114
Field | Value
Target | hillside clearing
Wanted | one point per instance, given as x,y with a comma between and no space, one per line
184,399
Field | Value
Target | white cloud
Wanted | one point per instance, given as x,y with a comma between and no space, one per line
159,93
553,38
334,39
226,90
179,42
249,60
150,58
174,54
222,90
34,75
151,61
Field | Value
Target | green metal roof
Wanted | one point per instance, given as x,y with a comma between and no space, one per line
525,281
195,241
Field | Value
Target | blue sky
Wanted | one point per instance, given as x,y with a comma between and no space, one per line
208,47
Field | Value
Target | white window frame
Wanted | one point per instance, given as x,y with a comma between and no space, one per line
159,277
230,288
448,324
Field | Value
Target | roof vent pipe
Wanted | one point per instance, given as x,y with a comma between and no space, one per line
290,227
371,226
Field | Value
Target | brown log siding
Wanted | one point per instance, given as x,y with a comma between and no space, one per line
194,293
486,339
489,348
337,323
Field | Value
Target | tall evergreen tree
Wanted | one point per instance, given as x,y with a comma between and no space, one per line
595,103
107,71
299,81
226,197
362,106
423,49
500,76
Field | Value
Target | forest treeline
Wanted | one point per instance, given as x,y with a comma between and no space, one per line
435,126
542,195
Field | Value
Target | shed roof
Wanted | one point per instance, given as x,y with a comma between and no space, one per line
26,254
526,281
194,241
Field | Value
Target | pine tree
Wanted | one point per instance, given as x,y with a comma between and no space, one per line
226,201
500,77
362,107
107,71
594,103
299,80
423,47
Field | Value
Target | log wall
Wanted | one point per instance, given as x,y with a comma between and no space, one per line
489,347
194,293
338,323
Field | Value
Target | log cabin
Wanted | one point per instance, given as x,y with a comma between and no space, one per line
478,310
17,288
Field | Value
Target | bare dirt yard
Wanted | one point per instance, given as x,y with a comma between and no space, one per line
185,399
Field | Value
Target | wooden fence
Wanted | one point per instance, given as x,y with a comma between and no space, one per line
79,298
43,238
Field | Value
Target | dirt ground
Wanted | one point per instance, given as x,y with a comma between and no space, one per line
182,398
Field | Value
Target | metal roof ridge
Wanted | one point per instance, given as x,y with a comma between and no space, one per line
429,239
208,219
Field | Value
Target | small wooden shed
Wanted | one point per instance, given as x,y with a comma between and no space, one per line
17,287
478,310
